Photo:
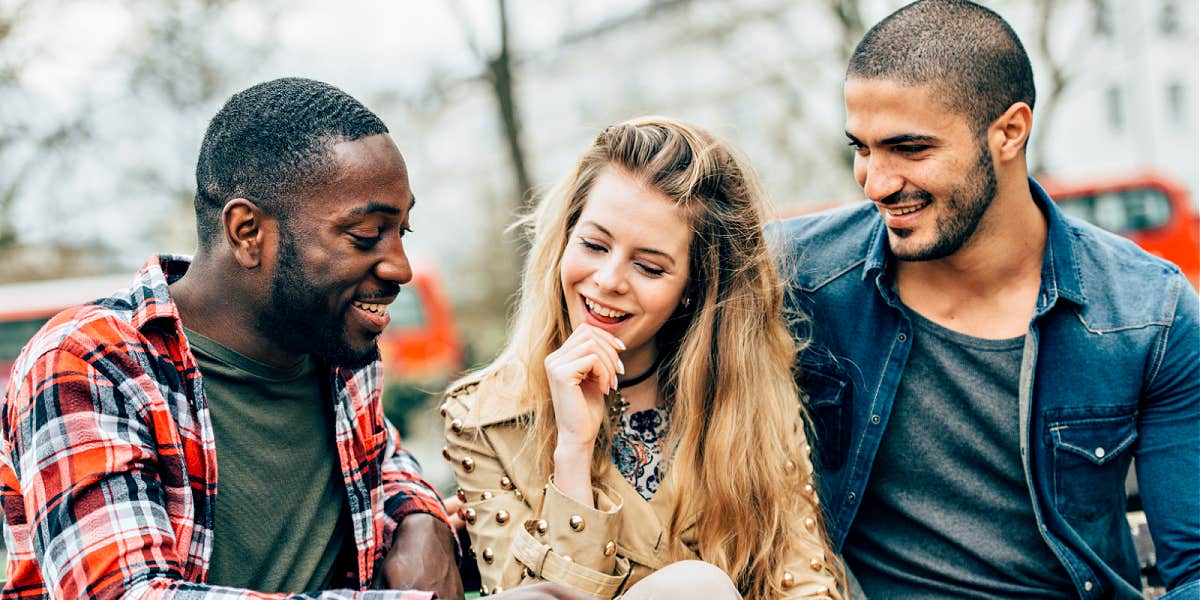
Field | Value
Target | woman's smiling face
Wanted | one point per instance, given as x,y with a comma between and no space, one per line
625,265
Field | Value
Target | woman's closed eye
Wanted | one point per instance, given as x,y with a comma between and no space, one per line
592,246
650,270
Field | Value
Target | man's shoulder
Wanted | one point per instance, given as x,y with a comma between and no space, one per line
818,247
1097,248
1118,279
76,340
85,327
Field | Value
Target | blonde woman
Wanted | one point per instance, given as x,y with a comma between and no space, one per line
640,435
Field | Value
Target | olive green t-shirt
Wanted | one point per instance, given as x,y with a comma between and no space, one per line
281,521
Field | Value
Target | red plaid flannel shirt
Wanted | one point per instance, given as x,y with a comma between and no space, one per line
108,466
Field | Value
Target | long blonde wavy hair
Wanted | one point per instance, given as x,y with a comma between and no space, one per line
725,359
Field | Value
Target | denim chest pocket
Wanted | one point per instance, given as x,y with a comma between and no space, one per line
828,392
1091,458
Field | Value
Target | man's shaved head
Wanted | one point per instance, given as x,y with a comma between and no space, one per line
967,51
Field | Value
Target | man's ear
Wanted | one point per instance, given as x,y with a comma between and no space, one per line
1009,132
246,231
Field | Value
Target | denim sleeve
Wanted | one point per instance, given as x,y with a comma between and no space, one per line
1168,457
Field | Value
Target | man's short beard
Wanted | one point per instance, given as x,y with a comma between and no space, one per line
299,318
965,210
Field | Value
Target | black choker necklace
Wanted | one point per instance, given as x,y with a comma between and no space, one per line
632,381
618,404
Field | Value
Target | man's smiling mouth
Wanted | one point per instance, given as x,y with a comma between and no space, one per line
378,309
898,211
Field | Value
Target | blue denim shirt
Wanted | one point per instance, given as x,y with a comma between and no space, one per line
1111,371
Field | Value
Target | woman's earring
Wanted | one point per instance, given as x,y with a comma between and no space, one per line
686,302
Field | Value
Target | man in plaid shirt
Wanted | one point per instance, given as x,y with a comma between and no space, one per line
258,356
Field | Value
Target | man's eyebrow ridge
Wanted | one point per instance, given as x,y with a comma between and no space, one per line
908,138
374,207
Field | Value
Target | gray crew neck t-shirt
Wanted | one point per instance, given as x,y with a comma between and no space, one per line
281,522
947,512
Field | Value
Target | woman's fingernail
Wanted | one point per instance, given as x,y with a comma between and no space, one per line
620,367
620,344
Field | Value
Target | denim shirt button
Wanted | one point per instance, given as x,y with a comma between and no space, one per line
902,337
1087,586
875,419
1099,452
850,497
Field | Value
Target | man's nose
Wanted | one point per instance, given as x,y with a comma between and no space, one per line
394,266
878,178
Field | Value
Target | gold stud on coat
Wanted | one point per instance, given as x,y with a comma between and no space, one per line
577,523
789,580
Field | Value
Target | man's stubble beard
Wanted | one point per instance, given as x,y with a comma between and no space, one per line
965,211
299,318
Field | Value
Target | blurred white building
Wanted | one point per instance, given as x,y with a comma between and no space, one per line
1131,101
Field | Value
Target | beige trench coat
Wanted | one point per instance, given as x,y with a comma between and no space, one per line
525,530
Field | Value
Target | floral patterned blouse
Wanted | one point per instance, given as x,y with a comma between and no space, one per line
637,448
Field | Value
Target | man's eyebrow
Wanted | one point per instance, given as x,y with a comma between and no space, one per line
852,138
378,207
908,138
653,251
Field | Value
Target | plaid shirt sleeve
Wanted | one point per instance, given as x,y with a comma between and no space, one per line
405,491
86,475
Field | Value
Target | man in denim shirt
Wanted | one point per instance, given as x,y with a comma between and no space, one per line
983,370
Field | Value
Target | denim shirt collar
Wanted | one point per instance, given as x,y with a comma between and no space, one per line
1059,276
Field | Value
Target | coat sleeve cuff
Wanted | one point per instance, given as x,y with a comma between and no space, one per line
587,535
541,562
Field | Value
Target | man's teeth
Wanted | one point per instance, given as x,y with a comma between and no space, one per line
896,212
378,309
604,312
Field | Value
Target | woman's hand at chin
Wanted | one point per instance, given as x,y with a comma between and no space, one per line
581,372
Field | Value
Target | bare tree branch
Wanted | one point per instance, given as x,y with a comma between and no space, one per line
500,68
1058,77
849,16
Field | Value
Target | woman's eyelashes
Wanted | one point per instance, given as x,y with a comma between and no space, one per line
651,270
592,246
646,268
